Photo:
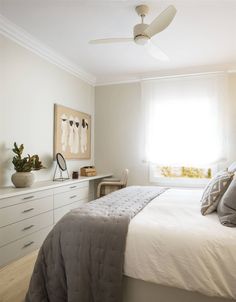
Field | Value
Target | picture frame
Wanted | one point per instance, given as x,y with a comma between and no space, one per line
72,133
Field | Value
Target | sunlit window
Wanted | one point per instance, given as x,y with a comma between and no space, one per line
184,126
183,133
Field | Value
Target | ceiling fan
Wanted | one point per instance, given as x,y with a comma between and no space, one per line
143,33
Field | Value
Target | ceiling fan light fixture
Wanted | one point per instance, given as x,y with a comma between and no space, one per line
139,36
141,39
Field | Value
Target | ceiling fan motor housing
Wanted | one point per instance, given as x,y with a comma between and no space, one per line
139,36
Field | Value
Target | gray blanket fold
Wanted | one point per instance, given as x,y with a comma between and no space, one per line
82,258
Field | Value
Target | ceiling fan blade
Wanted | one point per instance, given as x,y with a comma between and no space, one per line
111,40
161,21
156,52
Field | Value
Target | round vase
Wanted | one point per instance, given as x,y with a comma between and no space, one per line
23,179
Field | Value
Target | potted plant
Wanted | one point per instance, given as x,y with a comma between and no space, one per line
23,177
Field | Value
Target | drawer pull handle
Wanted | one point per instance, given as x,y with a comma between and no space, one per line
73,196
28,244
28,197
28,227
72,187
28,210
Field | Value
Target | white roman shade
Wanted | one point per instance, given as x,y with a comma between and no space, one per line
185,120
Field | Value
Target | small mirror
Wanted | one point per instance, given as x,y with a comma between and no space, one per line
61,161
61,165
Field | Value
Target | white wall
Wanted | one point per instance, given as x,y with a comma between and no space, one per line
29,86
118,130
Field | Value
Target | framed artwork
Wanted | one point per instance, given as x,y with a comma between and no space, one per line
72,133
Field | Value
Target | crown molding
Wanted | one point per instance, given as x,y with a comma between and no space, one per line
192,71
23,38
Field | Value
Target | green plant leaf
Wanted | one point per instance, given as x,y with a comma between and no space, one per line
25,164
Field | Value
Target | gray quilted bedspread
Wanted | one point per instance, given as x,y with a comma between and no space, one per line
82,258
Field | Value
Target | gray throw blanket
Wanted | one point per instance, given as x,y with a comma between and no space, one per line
82,258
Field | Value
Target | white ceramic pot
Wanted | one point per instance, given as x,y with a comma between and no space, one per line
22,179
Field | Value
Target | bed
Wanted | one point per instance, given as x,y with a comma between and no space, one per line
170,243
169,249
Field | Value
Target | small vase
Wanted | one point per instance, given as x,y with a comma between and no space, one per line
22,179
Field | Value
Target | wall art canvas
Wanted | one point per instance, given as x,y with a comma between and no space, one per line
72,133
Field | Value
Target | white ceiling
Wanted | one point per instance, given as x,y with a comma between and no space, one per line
202,36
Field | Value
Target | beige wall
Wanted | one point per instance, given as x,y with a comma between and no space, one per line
29,86
118,129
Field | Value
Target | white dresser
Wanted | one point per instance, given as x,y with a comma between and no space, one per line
28,214
69,197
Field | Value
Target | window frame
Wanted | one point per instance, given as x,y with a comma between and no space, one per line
176,182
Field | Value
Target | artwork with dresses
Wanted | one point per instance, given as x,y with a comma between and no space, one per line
72,133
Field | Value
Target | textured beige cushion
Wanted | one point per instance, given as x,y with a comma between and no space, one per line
227,206
214,191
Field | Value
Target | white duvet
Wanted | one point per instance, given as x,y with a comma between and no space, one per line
170,243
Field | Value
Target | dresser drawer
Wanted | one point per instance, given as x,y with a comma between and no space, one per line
59,213
75,186
65,198
25,227
22,246
25,210
6,202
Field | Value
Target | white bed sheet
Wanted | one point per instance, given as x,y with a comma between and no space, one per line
170,243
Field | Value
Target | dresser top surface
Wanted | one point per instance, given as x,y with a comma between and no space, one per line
6,192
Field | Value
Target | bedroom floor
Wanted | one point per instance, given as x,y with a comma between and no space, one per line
14,278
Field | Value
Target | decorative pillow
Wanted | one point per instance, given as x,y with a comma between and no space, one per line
214,191
232,167
227,206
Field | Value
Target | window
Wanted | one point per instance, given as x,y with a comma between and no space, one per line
184,121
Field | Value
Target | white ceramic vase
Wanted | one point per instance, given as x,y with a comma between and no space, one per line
22,179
